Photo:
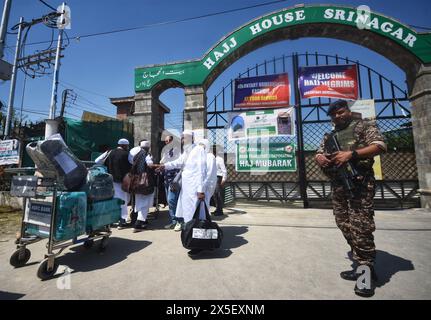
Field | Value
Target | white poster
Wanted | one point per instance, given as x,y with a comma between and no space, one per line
9,152
261,123
365,108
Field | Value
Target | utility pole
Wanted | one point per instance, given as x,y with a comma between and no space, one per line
3,27
13,79
53,104
5,67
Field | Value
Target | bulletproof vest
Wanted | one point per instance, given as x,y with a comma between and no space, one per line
349,142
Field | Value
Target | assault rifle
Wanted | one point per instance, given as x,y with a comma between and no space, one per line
347,172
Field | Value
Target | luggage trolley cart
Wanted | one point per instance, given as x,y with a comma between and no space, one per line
39,216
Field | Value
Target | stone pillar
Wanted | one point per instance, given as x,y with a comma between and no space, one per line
146,121
195,110
421,120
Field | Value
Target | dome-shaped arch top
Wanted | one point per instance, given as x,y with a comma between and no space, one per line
339,22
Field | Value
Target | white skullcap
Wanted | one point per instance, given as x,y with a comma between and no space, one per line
133,152
145,144
123,142
205,143
188,132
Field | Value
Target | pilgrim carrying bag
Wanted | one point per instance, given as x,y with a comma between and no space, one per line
201,234
139,183
143,183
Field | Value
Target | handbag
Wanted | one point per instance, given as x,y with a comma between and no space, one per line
175,185
143,183
126,183
201,234
138,183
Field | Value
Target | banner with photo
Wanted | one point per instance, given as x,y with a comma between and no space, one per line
339,81
265,157
262,92
365,109
9,152
261,123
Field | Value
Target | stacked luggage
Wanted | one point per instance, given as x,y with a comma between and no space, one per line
102,213
99,184
70,220
55,160
86,203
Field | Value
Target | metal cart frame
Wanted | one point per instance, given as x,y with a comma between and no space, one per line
48,266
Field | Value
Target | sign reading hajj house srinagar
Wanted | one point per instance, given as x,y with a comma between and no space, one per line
196,72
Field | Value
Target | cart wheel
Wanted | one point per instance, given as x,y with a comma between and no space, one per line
88,244
103,244
17,261
42,271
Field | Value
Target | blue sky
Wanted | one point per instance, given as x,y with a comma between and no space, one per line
104,65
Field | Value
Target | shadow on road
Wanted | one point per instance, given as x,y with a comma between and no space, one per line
387,265
80,259
4,295
232,236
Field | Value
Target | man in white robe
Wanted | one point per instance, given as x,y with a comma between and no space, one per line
142,202
210,181
194,164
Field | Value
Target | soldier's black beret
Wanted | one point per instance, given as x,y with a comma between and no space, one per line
337,105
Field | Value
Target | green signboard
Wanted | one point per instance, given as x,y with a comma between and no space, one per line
196,71
261,157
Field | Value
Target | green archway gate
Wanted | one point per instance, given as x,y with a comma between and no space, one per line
406,48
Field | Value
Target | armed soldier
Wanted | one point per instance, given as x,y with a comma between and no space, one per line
353,184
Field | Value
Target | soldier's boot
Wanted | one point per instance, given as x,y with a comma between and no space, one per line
367,292
349,275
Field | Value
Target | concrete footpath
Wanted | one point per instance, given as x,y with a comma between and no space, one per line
269,252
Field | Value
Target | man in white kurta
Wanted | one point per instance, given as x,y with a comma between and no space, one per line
142,202
193,161
210,181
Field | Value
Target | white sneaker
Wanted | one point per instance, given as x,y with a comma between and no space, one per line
178,227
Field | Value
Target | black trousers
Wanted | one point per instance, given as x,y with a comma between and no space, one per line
219,195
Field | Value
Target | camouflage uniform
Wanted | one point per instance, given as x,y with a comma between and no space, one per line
355,217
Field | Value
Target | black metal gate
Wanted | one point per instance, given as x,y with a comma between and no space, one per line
308,185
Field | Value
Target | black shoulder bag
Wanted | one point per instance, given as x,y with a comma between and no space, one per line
201,234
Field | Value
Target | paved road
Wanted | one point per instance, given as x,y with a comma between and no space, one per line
268,253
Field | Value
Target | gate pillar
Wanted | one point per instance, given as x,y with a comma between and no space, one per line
421,121
195,109
148,120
